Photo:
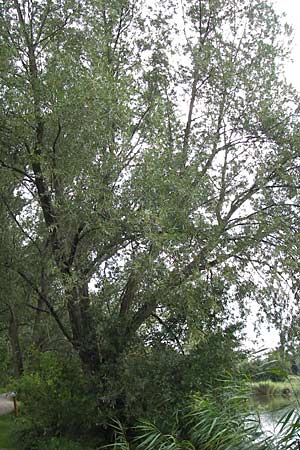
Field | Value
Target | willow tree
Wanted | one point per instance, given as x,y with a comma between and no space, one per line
149,146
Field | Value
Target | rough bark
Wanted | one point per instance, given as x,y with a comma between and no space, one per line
83,328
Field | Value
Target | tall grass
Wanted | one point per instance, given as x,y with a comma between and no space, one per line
268,388
219,422
289,431
222,422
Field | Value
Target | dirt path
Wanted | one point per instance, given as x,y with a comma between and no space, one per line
6,405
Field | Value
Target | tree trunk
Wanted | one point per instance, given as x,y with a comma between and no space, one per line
15,344
83,328
38,333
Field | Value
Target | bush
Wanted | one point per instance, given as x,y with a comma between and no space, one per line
222,422
156,381
219,421
57,443
55,399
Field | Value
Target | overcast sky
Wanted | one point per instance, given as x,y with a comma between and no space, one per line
292,11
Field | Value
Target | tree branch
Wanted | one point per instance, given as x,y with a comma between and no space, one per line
37,309
42,24
13,216
48,304
128,294
74,245
17,170
170,330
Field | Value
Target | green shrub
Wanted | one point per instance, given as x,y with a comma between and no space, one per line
219,422
156,381
55,399
265,388
56,443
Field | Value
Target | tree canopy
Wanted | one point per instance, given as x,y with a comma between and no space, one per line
149,167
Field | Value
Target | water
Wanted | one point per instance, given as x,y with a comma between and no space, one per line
269,421
271,410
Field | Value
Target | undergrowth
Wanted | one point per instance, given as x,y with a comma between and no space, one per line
219,422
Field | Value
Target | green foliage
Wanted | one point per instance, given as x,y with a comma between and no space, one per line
266,389
6,369
106,183
153,382
290,388
222,422
7,432
213,428
54,398
156,381
120,437
270,367
150,438
288,430
213,357
57,443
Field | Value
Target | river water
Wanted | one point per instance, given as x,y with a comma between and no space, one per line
271,410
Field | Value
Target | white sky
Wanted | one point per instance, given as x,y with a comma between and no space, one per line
292,10
269,339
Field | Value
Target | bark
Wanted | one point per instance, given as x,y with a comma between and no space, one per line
128,295
83,328
38,334
15,344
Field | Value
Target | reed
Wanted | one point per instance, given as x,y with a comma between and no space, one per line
288,388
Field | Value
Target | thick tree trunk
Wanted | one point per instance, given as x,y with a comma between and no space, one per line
83,328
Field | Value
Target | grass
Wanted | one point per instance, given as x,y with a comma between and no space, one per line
287,388
7,428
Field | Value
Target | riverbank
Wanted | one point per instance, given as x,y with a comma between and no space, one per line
290,388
